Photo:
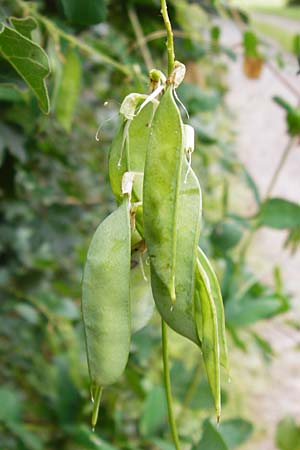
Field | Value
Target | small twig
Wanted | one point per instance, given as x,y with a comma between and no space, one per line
269,190
170,38
56,31
167,381
283,80
141,42
279,167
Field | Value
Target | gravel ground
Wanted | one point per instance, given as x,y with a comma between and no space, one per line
269,392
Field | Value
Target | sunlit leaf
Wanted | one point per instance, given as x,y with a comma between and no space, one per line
29,60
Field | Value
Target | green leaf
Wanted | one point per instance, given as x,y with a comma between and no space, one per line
154,412
283,103
293,122
68,90
10,93
235,432
211,438
252,185
279,213
85,438
10,405
251,309
29,60
197,99
226,235
86,12
296,44
30,439
24,26
288,434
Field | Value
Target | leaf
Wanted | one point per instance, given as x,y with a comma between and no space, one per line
24,26
10,405
84,437
88,12
226,235
235,432
29,60
162,445
29,439
68,90
283,103
211,438
197,100
279,213
154,412
252,185
288,434
10,93
250,309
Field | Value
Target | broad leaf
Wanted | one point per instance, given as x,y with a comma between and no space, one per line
279,213
154,412
211,438
288,434
235,432
29,60
25,26
10,405
250,309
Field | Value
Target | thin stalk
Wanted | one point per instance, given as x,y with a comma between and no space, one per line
278,169
283,79
141,42
167,382
269,190
55,31
170,38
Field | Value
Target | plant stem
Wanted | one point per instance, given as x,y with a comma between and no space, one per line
278,169
170,39
167,382
55,31
141,42
269,190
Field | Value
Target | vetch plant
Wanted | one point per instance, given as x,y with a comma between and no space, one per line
158,219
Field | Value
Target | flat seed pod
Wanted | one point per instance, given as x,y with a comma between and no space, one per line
217,297
141,299
180,315
105,298
133,136
161,188
208,327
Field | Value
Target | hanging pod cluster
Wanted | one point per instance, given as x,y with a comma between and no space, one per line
158,220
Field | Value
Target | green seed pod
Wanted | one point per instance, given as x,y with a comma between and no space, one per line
180,315
207,324
128,151
141,300
105,298
161,188
218,302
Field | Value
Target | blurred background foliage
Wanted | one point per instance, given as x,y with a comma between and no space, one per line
54,191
